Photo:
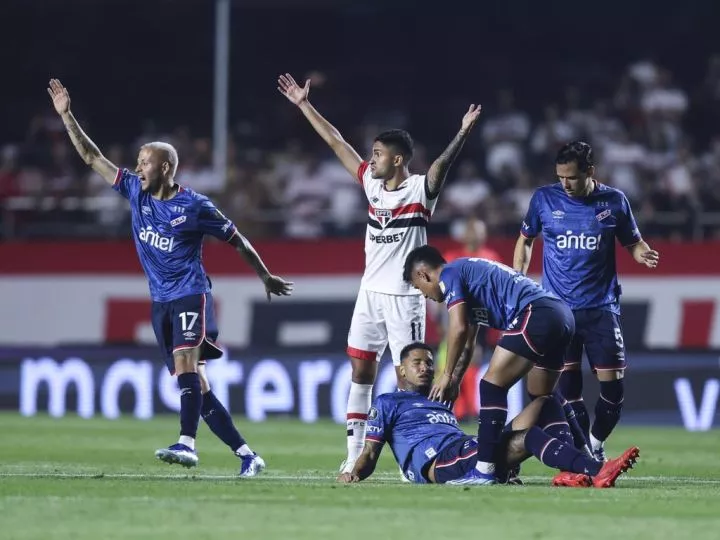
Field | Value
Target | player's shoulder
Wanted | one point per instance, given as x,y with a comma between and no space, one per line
192,199
605,191
386,402
453,266
550,190
126,175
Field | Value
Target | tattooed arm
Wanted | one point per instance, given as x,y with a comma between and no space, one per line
466,356
437,173
87,149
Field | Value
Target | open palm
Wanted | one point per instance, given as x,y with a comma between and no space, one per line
291,90
59,95
471,117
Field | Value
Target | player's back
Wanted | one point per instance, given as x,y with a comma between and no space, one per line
415,427
168,237
579,242
397,224
494,293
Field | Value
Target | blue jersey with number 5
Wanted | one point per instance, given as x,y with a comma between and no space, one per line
494,293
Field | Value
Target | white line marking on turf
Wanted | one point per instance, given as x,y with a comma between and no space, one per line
382,477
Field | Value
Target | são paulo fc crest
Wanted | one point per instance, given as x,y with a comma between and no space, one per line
383,216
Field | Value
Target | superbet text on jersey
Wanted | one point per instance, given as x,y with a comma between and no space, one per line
397,224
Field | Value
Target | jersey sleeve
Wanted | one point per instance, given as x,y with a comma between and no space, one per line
532,224
212,221
376,422
127,184
627,230
451,286
363,173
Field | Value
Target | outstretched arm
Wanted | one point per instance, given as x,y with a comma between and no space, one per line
457,338
435,178
522,254
643,254
465,358
299,96
273,284
365,464
87,149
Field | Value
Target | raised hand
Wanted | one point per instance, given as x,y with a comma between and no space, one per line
291,90
59,95
471,117
277,286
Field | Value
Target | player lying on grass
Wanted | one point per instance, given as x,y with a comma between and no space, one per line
169,222
430,447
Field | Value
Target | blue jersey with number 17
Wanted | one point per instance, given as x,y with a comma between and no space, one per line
168,237
579,243
495,294
415,427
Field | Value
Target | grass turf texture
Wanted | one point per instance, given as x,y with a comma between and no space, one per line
89,479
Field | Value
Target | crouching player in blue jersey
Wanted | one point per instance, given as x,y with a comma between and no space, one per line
168,223
430,447
537,329
580,219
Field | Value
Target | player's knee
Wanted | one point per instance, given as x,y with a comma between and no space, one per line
186,361
571,384
204,381
612,391
363,371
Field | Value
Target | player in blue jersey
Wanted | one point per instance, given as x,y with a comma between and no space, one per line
479,292
580,219
430,447
169,223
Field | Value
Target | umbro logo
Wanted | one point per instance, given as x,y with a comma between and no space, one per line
558,214
146,210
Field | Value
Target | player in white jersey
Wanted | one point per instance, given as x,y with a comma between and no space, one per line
388,310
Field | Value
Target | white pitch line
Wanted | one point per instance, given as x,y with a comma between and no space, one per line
386,478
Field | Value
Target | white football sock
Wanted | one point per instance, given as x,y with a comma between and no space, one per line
244,450
357,411
187,441
595,443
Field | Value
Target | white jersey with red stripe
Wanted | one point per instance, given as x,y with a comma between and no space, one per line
397,224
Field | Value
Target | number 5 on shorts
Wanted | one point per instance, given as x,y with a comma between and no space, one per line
618,338
184,319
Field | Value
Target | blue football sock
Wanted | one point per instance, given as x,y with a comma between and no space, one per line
220,422
190,403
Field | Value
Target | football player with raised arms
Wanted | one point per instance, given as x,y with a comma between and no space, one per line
169,222
388,311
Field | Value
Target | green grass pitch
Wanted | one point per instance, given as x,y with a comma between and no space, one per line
97,479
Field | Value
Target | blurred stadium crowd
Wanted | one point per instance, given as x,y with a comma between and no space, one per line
650,134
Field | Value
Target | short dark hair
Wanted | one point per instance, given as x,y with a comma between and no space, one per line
400,140
423,254
407,349
576,152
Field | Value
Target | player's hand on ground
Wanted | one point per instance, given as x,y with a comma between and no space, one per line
649,258
275,285
59,95
291,90
441,388
348,478
471,117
